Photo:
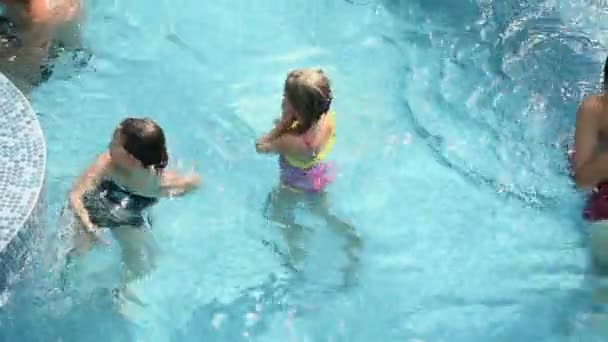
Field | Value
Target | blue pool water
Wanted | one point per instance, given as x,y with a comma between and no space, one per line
452,121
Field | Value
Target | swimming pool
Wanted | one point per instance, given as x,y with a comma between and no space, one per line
452,119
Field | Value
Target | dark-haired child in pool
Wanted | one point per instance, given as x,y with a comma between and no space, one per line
119,187
303,138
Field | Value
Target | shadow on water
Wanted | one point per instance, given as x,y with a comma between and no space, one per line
298,293
246,316
277,308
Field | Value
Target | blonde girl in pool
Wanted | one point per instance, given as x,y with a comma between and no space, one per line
303,138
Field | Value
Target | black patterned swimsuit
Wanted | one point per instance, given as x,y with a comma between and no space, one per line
111,205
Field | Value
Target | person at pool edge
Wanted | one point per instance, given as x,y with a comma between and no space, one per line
589,164
116,190
303,138
34,31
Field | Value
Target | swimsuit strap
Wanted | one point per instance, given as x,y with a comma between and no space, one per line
317,156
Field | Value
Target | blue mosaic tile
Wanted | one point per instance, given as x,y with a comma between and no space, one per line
22,172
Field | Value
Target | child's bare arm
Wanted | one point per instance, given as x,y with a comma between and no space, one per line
173,184
285,144
87,181
281,127
590,166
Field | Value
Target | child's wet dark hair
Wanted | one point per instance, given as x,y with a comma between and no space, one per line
144,140
309,92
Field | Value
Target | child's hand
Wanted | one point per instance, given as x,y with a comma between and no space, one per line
192,181
92,230
262,146
176,185
97,236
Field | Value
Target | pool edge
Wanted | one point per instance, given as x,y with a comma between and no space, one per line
24,230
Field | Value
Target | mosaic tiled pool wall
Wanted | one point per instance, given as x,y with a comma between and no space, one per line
22,179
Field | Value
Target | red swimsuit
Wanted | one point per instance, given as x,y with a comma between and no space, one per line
596,207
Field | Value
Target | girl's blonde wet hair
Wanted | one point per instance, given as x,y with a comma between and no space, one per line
309,92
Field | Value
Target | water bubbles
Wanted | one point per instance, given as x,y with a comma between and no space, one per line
407,139
251,318
217,320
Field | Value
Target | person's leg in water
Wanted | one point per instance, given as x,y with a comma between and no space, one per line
598,245
280,208
137,249
74,241
138,256
353,245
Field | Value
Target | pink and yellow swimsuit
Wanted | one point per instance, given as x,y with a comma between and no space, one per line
310,175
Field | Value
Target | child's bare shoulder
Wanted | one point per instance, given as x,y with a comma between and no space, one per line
324,134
